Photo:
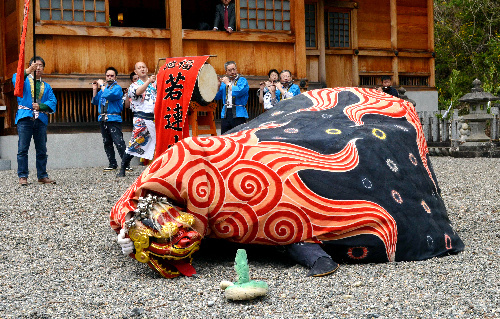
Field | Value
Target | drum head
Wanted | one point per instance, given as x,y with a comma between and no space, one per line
207,83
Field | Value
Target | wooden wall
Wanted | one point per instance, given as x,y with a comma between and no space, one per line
374,24
68,55
339,70
389,37
9,39
252,58
412,24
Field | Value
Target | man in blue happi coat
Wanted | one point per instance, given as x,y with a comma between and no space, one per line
233,90
32,119
107,95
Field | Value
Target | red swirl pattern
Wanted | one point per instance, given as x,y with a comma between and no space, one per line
236,222
373,102
248,191
286,224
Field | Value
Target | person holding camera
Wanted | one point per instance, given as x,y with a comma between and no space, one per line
107,95
267,90
386,86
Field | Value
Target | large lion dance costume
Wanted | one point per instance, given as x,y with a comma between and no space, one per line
346,168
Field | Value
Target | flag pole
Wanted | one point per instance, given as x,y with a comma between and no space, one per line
34,46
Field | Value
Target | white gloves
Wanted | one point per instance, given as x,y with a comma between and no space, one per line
126,244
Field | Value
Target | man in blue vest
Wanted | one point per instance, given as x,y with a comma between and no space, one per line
32,119
107,95
233,90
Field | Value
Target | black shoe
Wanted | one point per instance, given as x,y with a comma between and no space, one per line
109,169
121,173
322,267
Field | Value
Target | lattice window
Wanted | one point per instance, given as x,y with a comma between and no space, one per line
265,15
368,80
411,80
74,11
337,30
310,25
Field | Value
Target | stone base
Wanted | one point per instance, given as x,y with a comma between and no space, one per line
4,165
439,151
480,150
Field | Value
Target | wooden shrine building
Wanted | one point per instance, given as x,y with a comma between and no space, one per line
324,43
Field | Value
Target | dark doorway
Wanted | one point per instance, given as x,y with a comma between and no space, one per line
198,15
137,13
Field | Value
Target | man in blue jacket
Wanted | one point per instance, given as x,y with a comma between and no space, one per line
32,119
108,97
233,90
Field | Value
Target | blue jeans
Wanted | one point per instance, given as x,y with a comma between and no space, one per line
26,128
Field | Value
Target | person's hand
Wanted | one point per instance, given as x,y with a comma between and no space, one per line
271,86
100,82
279,86
226,80
215,29
31,68
36,107
262,85
229,30
152,79
380,89
126,243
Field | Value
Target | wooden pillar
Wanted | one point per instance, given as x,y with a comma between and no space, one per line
299,26
430,37
354,37
320,25
2,43
394,41
175,22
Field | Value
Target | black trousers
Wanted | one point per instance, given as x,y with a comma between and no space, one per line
230,122
112,133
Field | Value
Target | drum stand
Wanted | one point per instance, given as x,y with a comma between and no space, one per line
196,119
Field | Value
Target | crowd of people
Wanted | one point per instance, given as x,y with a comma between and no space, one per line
36,104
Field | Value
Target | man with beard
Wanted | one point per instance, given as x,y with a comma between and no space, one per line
107,95
142,94
233,90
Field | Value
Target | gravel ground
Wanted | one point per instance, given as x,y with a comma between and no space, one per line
59,259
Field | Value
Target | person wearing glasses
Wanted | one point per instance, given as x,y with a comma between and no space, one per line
32,117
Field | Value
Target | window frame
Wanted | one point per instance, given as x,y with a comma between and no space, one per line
335,9
72,22
316,20
239,18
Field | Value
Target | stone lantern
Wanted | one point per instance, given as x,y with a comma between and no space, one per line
477,143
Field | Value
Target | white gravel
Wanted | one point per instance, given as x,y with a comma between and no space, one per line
59,259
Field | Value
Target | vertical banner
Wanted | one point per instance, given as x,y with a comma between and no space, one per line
18,90
175,84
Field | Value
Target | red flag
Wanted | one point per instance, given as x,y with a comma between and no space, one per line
18,90
175,84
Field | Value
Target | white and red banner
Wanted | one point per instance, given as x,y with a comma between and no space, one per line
175,83
18,90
